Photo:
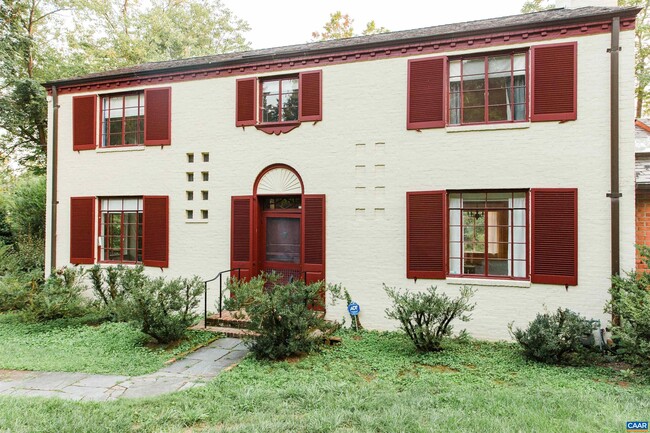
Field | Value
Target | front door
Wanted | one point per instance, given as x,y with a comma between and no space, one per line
280,241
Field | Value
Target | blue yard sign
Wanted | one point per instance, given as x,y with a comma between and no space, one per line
354,309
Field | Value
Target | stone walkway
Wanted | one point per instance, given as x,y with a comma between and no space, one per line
196,369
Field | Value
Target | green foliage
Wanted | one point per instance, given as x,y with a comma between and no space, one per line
283,315
26,206
631,303
372,382
82,345
52,39
554,338
536,6
340,26
427,316
162,309
60,297
15,292
112,288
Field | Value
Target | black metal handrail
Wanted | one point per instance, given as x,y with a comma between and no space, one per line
205,293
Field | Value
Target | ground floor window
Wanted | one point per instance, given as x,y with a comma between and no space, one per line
120,238
488,234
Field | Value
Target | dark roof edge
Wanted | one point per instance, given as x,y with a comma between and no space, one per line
628,12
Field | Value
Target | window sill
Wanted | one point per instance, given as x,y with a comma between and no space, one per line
487,282
120,149
277,128
196,222
488,127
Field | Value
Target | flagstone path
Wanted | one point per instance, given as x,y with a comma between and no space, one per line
196,369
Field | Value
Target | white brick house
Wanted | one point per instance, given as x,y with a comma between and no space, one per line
474,153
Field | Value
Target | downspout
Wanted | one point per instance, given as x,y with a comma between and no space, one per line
54,156
615,193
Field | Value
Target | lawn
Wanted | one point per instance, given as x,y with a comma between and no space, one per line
73,345
372,382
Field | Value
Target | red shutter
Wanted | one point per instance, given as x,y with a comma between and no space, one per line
84,125
155,236
82,230
246,102
426,93
311,86
158,116
425,234
241,236
554,240
554,82
313,237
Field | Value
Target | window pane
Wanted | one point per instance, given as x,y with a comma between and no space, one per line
473,66
270,108
290,85
498,267
499,64
474,266
269,87
290,106
454,266
473,115
454,68
519,61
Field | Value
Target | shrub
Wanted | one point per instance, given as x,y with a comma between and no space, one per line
630,302
60,296
162,309
26,206
553,338
15,293
426,317
111,287
283,315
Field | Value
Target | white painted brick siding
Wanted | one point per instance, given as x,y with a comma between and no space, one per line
364,104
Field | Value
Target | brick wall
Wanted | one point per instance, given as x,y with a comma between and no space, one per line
642,222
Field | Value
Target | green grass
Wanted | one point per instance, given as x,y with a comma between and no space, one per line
73,345
373,382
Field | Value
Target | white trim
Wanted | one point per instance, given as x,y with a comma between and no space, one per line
488,127
487,282
120,149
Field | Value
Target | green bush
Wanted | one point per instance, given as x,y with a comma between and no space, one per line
554,338
26,206
426,317
111,287
283,315
59,297
630,302
162,309
15,293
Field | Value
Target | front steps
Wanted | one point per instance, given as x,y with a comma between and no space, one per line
227,324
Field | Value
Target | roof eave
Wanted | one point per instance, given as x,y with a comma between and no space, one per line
627,13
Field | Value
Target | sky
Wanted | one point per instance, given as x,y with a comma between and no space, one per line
283,22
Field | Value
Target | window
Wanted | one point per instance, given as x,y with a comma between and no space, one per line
204,194
277,105
123,120
488,233
279,100
190,195
487,89
121,230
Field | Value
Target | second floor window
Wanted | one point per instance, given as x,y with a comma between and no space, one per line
123,120
279,100
487,89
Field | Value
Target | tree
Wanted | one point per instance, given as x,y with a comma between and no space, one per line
642,47
42,40
340,26
536,6
25,52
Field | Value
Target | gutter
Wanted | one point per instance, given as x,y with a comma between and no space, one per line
54,198
245,58
615,193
